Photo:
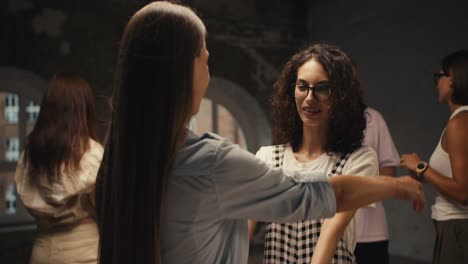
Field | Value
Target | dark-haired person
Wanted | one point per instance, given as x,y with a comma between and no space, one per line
56,174
447,170
166,195
318,117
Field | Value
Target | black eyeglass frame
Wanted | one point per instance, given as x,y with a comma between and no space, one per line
309,88
439,75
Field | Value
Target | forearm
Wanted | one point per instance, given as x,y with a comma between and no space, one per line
447,186
353,192
252,227
387,171
330,234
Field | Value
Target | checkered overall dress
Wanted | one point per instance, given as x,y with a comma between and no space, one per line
294,243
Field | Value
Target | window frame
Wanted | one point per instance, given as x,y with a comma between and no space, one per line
244,108
28,86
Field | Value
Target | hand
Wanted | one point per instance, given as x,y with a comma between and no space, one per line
410,161
410,189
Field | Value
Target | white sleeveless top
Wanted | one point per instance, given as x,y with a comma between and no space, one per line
445,208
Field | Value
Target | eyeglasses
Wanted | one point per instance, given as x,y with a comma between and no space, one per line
439,75
320,92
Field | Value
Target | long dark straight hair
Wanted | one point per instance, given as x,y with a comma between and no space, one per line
152,103
66,122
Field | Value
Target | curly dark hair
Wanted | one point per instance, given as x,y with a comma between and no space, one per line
347,119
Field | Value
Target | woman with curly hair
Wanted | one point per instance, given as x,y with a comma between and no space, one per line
319,122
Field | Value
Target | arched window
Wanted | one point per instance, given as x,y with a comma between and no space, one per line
20,95
214,117
231,112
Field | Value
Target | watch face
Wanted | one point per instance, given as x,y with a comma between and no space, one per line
421,166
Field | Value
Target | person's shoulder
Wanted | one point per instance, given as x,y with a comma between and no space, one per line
363,151
95,146
206,141
213,139
363,161
375,115
459,122
214,145
266,149
93,156
95,149
203,149
265,153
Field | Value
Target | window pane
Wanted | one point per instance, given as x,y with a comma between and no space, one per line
9,129
32,112
229,128
203,122
207,120
9,149
8,194
10,107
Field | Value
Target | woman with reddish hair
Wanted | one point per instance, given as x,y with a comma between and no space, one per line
56,174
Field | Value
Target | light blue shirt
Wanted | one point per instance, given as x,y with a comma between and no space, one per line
216,186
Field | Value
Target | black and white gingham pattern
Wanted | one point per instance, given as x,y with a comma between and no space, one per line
278,153
338,169
295,242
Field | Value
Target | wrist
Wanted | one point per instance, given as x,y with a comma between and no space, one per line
398,188
421,168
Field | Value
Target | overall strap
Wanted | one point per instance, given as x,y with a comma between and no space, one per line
339,165
278,155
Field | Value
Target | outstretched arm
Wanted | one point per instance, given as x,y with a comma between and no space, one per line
353,192
331,232
455,143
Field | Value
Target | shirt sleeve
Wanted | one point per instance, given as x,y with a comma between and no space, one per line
387,152
379,138
92,161
363,162
248,188
89,168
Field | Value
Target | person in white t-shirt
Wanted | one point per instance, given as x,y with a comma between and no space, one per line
371,223
319,117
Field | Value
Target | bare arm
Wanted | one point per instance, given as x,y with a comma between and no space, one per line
331,232
353,192
457,148
388,171
252,227
456,187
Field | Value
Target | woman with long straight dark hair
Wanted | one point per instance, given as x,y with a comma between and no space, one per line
166,195
56,174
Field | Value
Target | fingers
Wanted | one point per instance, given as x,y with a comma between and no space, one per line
412,190
419,201
419,205
403,159
409,161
